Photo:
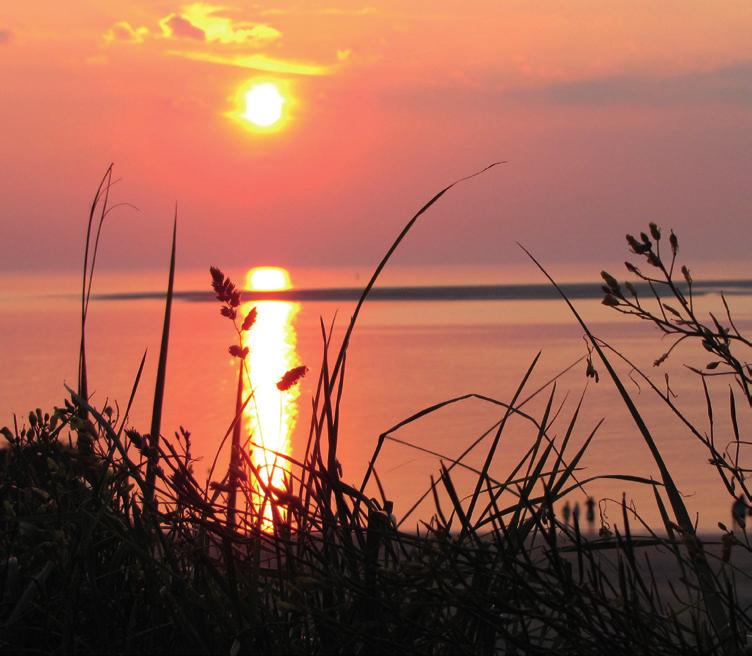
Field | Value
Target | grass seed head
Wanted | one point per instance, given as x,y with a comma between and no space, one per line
291,378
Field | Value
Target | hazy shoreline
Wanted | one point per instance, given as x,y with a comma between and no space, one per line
517,292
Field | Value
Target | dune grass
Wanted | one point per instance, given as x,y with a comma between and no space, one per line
109,543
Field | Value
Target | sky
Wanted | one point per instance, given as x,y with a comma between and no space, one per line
608,114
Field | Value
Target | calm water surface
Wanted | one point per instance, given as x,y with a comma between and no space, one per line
404,356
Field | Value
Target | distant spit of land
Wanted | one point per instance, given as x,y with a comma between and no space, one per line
518,292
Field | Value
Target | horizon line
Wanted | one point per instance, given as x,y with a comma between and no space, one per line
517,292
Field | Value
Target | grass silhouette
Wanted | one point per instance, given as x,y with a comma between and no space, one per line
109,543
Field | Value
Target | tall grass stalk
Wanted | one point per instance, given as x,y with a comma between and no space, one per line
159,386
100,203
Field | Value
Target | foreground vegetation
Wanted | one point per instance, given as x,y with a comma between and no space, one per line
108,542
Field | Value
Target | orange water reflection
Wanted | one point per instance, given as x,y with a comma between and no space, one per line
271,414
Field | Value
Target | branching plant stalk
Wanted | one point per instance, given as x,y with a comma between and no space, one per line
713,600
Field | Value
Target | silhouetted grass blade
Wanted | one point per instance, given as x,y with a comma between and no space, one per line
159,387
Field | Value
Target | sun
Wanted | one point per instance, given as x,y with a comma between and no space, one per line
268,279
263,105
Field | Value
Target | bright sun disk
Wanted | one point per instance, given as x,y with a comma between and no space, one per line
268,279
263,105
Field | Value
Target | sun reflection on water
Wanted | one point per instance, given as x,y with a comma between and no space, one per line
271,415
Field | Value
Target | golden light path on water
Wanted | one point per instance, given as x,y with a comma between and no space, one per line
271,414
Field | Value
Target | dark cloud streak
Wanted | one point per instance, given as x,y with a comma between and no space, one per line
730,85
183,28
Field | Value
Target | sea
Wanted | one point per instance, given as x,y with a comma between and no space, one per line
424,336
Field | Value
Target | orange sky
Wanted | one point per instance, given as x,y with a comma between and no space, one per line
611,114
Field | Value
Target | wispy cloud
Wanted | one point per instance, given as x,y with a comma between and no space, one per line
258,62
351,11
124,32
213,24
218,36
321,11
5,36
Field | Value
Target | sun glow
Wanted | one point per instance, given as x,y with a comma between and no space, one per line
271,415
263,105
267,279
